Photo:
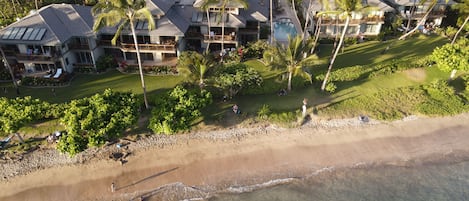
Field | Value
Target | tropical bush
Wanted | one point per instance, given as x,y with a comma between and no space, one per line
255,49
4,74
452,57
264,112
178,109
94,120
40,81
15,113
233,78
442,100
104,62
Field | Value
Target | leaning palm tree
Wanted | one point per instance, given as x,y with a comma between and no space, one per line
463,8
343,8
194,66
124,14
294,57
432,5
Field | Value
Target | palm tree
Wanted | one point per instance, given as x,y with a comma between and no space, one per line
223,5
206,4
194,66
294,57
124,14
424,18
463,9
344,8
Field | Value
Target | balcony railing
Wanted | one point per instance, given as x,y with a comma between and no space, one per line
34,57
226,38
78,46
166,46
432,14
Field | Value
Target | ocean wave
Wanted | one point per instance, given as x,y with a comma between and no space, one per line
250,188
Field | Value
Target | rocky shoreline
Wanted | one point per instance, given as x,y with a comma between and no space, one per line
46,158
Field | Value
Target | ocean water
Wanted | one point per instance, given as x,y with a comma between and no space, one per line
428,182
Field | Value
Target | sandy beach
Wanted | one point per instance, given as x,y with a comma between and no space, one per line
257,156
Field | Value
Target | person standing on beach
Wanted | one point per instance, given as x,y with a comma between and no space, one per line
113,187
303,108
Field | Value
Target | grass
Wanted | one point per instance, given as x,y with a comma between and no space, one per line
360,54
368,53
84,85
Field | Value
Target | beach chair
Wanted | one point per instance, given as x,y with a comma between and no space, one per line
58,73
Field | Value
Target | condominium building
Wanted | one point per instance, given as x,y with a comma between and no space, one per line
61,35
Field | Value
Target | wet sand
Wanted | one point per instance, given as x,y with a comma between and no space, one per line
252,159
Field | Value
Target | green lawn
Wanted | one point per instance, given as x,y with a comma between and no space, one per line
368,53
84,85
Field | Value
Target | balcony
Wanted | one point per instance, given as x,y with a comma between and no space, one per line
218,38
35,58
420,15
78,46
171,46
166,46
340,21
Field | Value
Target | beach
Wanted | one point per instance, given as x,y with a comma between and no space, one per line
203,163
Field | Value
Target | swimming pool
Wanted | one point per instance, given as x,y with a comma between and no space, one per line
282,28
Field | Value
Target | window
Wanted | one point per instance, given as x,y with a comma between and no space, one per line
83,57
371,28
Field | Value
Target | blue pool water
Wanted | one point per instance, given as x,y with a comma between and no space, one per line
283,28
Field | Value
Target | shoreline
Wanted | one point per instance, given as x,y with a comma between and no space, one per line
246,157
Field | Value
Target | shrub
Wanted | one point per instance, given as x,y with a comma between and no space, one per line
255,49
94,120
264,112
104,62
4,74
14,113
178,109
233,78
330,87
283,118
442,100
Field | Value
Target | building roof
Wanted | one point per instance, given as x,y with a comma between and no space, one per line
60,22
257,10
159,7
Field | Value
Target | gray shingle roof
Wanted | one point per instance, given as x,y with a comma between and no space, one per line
61,21
159,7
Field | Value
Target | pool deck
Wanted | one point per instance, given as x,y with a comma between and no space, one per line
288,12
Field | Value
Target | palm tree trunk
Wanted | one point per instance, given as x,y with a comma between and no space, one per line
208,24
271,24
9,68
316,34
222,33
424,18
412,11
347,21
290,74
460,29
132,27
307,19
35,1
